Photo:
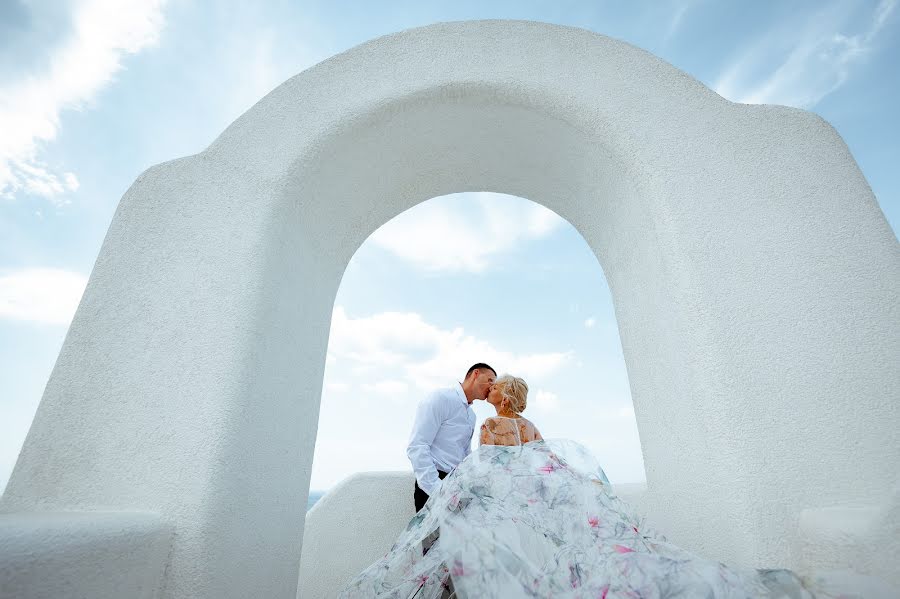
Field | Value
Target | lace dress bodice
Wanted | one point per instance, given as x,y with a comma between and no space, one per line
509,432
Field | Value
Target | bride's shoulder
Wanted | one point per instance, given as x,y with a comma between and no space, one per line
496,424
532,431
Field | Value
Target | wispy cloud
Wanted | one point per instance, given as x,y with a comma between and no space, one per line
590,323
811,60
465,232
544,401
103,31
253,51
41,295
388,388
337,387
381,365
425,355
677,19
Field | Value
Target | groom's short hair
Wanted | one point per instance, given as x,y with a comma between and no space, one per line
480,366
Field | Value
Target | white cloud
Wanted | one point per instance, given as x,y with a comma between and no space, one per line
337,387
426,355
42,295
590,322
103,31
387,388
253,54
813,60
544,401
381,340
394,358
464,232
676,20
626,412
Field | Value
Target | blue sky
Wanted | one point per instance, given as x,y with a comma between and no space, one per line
92,94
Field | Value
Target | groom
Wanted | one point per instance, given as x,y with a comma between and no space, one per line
442,434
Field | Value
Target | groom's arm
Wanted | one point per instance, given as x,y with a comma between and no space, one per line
428,422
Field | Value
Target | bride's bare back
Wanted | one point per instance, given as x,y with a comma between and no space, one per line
499,430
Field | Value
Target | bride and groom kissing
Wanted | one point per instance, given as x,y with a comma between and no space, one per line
445,424
527,517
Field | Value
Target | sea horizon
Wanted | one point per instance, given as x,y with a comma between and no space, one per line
314,496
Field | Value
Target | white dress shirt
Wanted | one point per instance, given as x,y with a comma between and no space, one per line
441,436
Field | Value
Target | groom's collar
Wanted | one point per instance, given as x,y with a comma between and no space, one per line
462,394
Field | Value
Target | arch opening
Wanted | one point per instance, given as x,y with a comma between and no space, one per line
455,280
467,278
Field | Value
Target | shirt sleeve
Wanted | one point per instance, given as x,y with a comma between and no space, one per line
429,416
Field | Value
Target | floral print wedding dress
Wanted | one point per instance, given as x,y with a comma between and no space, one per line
541,520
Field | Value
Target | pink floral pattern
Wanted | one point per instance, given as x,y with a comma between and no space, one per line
541,520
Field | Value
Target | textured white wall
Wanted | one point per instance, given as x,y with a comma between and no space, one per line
755,282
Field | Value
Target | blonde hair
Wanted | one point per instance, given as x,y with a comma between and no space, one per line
515,391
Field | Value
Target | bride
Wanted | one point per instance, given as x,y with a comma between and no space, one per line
525,517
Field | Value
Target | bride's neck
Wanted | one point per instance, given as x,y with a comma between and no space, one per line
506,413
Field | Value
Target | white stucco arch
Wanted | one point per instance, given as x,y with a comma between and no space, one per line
754,277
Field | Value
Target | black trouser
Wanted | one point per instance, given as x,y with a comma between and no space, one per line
421,496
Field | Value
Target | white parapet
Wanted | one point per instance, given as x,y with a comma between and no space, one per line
860,538
350,527
55,555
